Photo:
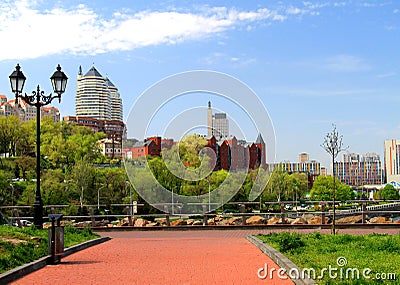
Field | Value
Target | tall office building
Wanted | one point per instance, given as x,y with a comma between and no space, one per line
392,160
218,124
97,97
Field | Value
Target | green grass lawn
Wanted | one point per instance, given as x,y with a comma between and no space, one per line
379,253
21,246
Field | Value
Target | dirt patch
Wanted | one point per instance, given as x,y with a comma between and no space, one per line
14,241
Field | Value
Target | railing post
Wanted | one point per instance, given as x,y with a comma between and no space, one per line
283,213
243,211
166,215
323,213
16,215
205,220
363,211
92,216
128,211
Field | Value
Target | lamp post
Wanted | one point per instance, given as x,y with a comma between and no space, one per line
38,99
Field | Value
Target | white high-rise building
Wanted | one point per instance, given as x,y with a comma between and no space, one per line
96,97
218,124
392,160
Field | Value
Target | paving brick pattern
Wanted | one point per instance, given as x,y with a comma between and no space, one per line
166,257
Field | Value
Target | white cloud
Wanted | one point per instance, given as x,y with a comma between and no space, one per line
28,32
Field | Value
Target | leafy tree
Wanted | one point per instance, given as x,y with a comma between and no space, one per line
323,190
54,188
83,176
389,192
296,185
276,184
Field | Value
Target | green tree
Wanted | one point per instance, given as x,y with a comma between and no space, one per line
276,185
323,190
389,192
296,185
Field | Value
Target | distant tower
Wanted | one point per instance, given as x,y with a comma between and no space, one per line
303,157
261,145
209,120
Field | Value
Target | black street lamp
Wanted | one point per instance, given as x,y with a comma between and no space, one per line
38,99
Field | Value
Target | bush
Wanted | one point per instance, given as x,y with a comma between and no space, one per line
290,242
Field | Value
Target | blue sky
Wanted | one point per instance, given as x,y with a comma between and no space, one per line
312,63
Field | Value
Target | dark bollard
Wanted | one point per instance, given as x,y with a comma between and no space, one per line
56,238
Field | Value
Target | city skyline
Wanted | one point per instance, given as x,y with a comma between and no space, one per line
311,63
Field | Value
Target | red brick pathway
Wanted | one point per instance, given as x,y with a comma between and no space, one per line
167,257
162,257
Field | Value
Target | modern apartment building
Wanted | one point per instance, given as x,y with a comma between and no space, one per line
358,170
24,111
392,160
97,97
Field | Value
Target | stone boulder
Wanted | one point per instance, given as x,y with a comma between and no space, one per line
235,221
197,223
350,220
379,220
273,221
317,220
178,222
189,222
256,220
153,224
299,221
211,222
141,222
125,222
397,222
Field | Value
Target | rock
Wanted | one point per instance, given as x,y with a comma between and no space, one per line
397,222
273,221
299,221
255,220
125,222
189,221
317,220
178,222
350,220
218,219
141,222
36,239
154,224
235,221
379,220
308,217
211,222
84,224
197,223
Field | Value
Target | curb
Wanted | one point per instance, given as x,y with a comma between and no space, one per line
25,269
280,260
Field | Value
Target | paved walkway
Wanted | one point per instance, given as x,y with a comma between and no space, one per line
165,257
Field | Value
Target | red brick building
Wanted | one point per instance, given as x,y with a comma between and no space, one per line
149,147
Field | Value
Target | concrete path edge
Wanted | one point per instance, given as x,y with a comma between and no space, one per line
25,269
280,260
